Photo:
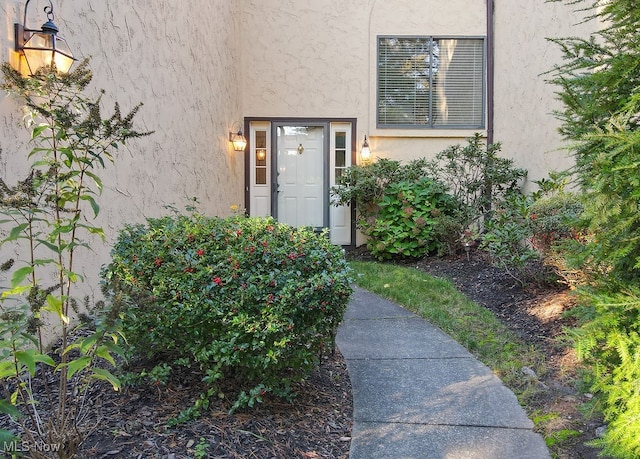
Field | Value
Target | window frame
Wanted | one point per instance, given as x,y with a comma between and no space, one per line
431,126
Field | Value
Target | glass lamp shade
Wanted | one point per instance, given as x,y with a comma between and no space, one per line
44,49
365,154
239,141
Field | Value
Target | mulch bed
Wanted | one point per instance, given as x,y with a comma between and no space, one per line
316,425
133,423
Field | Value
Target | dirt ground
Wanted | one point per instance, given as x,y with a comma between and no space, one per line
132,423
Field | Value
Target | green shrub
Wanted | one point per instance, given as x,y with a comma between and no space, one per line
477,177
442,205
408,219
554,218
243,298
507,234
609,340
365,185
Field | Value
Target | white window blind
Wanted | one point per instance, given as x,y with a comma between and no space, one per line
430,82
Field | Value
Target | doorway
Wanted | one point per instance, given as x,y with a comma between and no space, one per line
291,167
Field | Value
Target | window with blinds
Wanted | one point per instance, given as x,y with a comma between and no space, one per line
430,82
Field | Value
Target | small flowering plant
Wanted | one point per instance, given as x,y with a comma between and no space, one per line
247,298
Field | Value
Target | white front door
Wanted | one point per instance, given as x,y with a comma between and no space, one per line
301,176
292,166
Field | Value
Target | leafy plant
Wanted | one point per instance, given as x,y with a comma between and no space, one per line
506,236
200,449
477,177
554,218
243,298
365,185
47,215
407,223
557,235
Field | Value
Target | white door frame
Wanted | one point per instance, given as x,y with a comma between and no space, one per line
261,198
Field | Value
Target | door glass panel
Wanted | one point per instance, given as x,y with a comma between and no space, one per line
340,153
261,157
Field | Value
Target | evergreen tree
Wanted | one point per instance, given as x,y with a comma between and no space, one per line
600,88
599,84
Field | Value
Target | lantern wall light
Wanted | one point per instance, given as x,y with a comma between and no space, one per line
42,47
238,140
365,152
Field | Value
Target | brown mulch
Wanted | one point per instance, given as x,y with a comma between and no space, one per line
316,425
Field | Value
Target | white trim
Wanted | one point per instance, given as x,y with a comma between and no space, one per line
259,194
339,217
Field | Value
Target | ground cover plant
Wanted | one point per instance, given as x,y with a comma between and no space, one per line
247,299
46,220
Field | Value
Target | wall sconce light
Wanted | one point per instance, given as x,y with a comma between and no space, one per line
238,140
261,154
42,47
365,152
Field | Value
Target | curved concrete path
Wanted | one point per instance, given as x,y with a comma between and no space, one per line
419,394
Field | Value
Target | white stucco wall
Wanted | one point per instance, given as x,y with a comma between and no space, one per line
524,101
317,58
178,57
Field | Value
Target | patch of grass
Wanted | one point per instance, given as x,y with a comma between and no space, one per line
560,436
471,325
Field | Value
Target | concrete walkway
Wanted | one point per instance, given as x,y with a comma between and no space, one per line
419,394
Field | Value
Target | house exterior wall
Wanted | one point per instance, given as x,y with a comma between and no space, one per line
317,58
524,100
200,66
178,57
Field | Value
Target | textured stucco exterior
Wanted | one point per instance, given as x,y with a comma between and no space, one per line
179,59
524,100
199,66
306,58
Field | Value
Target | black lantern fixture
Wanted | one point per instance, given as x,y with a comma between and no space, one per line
238,140
42,47
365,152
